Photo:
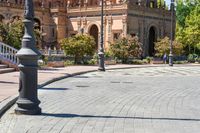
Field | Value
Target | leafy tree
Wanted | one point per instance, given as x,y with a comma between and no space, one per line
162,46
187,27
183,9
126,47
192,29
161,3
78,46
12,33
3,32
15,33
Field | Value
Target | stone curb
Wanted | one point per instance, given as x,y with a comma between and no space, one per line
9,102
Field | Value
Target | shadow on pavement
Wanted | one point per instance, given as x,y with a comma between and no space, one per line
5,82
78,76
48,69
116,117
54,89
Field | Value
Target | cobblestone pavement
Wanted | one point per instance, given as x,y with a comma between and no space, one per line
139,100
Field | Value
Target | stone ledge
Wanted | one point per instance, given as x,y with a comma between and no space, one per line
55,64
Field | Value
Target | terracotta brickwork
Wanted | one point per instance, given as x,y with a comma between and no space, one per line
64,18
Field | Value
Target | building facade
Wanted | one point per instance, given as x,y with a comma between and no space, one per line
58,19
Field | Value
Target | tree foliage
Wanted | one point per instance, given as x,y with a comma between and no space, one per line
3,32
12,33
161,3
78,46
183,9
192,28
162,46
126,47
188,25
15,33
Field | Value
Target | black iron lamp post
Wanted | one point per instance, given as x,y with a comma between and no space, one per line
172,35
28,55
101,49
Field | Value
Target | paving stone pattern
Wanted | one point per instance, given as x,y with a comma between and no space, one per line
139,100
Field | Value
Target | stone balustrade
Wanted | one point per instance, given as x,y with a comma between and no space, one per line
8,53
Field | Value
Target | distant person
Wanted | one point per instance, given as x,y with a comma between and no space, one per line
165,58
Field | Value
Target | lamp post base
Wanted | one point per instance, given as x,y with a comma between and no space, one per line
101,69
101,61
170,60
28,107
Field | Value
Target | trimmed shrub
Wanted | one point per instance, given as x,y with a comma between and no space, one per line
78,46
125,48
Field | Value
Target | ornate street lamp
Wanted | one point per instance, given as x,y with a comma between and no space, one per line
101,50
28,102
172,35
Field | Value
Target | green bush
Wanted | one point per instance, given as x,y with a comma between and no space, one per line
162,47
95,56
138,62
149,59
180,62
69,63
78,46
126,47
107,54
192,58
198,60
92,62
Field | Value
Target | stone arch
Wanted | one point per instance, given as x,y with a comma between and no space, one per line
37,23
1,18
15,18
87,28
152,38
94,31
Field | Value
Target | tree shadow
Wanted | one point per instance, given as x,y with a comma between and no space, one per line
117,117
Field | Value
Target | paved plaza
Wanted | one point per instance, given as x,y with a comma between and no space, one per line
137,100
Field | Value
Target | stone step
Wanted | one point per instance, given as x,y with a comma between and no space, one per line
3,66
7,70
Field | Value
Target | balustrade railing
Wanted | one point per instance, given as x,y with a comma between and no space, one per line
52,52
8,53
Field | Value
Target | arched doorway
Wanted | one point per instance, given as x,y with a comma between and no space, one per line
1,18
95,33
37,24
152,40
38,36
15,19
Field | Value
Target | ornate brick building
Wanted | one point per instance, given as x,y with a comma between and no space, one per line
63,18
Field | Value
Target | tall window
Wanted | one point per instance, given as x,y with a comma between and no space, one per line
116,36
1,18
53,32
152,4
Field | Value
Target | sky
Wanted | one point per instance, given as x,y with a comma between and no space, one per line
168,2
